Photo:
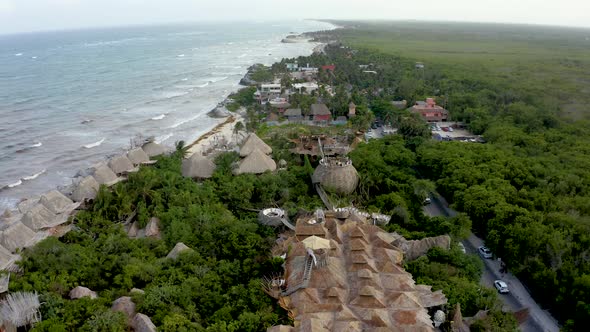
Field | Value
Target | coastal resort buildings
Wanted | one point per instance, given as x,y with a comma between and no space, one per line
255,157
430,111
197,167
321,114
351,110
337,175
343,273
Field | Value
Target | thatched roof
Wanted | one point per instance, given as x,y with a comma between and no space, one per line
337,179
142,323
139,157
252,143
57,203
87,188
20,309
178,248
153,149
197,166
40,217
121,165
320,109
152,229
256,163
315,242
17,236
7,259
126,306
27,204
80,292
353,290
104,175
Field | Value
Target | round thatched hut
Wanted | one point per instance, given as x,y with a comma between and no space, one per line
198,167
336,175
253,143
153,149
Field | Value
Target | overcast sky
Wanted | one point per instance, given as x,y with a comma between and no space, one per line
32,15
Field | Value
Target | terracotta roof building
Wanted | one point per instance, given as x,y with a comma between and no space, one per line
430,111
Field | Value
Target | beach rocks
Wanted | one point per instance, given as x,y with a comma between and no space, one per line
219,112
80,292
142,323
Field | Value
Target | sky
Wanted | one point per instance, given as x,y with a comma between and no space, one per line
39,15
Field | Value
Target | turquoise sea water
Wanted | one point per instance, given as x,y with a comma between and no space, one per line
69,99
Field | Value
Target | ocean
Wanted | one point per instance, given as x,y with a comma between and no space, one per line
70,99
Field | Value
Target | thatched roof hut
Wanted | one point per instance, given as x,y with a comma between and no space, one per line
126,306
197,166
26,204
338,178
139,157
87,188
104,175
178,248
40,217
20,309
121,165
256,163
7,259
17,236
80,292
252,143
57,203
153,149
142,323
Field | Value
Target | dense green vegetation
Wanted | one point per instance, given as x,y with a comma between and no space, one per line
526,190
213,288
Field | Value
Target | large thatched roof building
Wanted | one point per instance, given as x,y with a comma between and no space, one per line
18,236
348,278
104,175
121,165
252,143
336,175
256,162
198,167
58,203
40,217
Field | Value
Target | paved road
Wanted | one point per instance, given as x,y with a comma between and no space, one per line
519,297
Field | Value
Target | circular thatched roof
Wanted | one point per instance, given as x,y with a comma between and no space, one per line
197,166
153,149
338,179
253,143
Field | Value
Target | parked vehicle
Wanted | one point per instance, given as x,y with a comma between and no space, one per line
501,286
451,129
485,252
427,201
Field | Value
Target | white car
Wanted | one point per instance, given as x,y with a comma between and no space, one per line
485,252
427,201
501,286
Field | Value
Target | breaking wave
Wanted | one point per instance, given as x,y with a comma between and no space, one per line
161,139
34,176
159,117
93,145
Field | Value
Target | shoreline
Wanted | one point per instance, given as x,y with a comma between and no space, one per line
220,131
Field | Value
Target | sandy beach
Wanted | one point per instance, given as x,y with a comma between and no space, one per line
221,135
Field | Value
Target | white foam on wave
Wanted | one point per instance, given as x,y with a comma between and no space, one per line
178,124
161,139
203,85
242,56
36,145
16,184
33,57
174,94
34,176
218,79
159,117
184,79
95,144
181,55
18,54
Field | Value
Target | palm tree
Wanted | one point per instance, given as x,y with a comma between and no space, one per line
181,149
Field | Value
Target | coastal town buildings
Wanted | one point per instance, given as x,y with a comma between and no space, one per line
430,111
321,114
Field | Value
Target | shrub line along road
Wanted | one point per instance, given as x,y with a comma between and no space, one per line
519,297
